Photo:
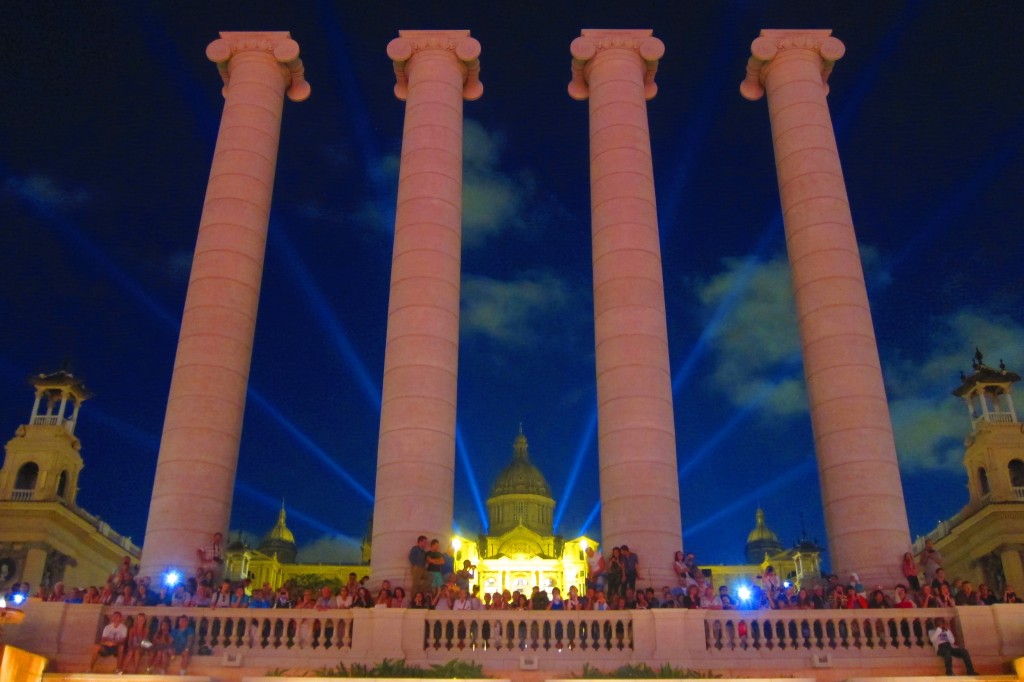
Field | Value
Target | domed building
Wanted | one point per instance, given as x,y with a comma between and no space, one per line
522,549
762,541
280,541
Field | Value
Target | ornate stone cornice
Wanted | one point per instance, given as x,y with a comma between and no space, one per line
464,49
593,41
278,43
772,42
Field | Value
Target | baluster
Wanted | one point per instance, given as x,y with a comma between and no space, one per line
571,630
743,630
844,633
794,633
729,642
805,634
831,638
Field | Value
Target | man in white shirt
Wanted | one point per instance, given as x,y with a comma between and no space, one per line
112,641
945,646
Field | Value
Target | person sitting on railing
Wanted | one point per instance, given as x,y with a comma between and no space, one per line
345,597
258,600
363,599
596,568
539,599
909,569
222,598
641,600
691,600
903,600
92,595
161,650
183,639
138,644
939,580
442,600
239,599
945,597
398,600
878,600
927,599
709,598
283,600
600,603
838,599
967,596
520,603
75,597
667,600
987,596
112,641
126,597
123,574
58,594
771,584
945,646
210,557
203,596
1010,596
145,596
420,600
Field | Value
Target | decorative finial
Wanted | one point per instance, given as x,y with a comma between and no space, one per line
520,427
978,357
1002,365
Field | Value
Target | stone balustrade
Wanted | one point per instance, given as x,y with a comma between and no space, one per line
733,643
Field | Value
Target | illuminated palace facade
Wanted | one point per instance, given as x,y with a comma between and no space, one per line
521,549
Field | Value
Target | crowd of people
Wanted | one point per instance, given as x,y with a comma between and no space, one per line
138,641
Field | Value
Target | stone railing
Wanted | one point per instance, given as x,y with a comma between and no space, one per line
736,632
525,631
733,643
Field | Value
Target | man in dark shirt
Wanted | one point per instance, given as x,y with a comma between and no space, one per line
435,564
630,565
418,565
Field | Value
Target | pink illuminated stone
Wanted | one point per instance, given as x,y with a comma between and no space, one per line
434,72
195,474
636,430
865,514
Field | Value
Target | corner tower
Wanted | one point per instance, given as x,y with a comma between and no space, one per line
994,450
43,460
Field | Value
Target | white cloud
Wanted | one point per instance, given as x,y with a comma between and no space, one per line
329,549
755,343
515,313
493,200
755,349
44,192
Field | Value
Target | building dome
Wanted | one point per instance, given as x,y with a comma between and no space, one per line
521,495
280,541
521,477
762,540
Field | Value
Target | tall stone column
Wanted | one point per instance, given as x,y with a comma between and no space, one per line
435,71
636,429
195,473
865,514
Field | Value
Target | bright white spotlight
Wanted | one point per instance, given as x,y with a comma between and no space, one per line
456,544
743,593
787,584
18,598
172,578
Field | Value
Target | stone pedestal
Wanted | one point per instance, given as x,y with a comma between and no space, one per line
865,514
195,474
435,71
636,428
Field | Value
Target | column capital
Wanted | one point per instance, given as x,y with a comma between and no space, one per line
465,50
594,41
279,44
774,42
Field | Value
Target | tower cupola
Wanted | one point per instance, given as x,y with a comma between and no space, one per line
42,461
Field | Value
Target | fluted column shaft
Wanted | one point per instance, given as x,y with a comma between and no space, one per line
435,70
865,513
195,475
636,428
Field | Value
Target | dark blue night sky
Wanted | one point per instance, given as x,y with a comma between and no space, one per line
110,114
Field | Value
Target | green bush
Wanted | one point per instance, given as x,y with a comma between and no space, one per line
644,671
388,668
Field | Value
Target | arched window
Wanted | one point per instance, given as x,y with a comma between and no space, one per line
983,481
62,483
27,475
1016,473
